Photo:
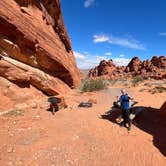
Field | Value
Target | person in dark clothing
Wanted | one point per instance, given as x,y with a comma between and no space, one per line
125,105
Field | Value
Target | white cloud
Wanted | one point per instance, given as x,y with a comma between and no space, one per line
121,61
88,3
88,61
100,38
108,54
121,55
100,58
79,55
162,34
128,42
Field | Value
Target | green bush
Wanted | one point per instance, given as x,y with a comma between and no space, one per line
158,89
91,85
137,79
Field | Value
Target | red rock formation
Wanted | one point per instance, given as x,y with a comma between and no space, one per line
148,69
104,68
159,62
134,65
33,32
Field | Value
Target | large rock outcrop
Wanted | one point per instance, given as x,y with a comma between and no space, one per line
134,65
33,32
154,68
104,68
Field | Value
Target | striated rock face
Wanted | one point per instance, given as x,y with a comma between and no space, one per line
33,32
156,68
24,76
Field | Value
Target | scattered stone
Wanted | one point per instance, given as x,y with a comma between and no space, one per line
33,105
93,101
10,163
14,122
11,150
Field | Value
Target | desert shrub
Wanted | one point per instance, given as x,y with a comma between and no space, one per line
15,112
158,89
137,79
91,85
112,81
142,90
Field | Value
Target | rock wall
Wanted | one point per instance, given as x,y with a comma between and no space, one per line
33,32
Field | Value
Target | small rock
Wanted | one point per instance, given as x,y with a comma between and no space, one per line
14,122
33,105
37,116
11,134
75,137
10,164
93,101
10,150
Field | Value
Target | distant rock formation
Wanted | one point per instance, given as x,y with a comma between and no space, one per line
159,62
104,68
33,33
155,68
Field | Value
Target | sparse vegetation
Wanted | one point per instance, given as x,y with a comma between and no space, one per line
112,81
15,112
91,85
137,79
142,90
158,89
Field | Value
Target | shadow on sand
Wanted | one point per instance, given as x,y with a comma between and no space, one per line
150,121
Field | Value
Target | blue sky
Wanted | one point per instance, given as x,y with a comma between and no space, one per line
115,29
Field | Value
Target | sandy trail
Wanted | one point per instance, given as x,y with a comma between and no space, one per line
76,136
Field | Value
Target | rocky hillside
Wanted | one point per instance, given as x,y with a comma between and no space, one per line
154,68
34,46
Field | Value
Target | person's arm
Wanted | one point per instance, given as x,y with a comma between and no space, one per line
131,98
117,98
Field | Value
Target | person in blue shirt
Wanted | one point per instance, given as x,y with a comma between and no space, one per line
124,100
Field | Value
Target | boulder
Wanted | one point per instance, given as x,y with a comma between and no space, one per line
33,32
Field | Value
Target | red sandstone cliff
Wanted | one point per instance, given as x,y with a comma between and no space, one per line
33,33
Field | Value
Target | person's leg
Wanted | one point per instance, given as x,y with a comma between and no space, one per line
128,119
124,117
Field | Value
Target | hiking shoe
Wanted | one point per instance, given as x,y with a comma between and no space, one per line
129,128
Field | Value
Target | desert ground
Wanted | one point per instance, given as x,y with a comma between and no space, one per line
82,136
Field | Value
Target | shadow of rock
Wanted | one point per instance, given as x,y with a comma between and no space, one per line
150,121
